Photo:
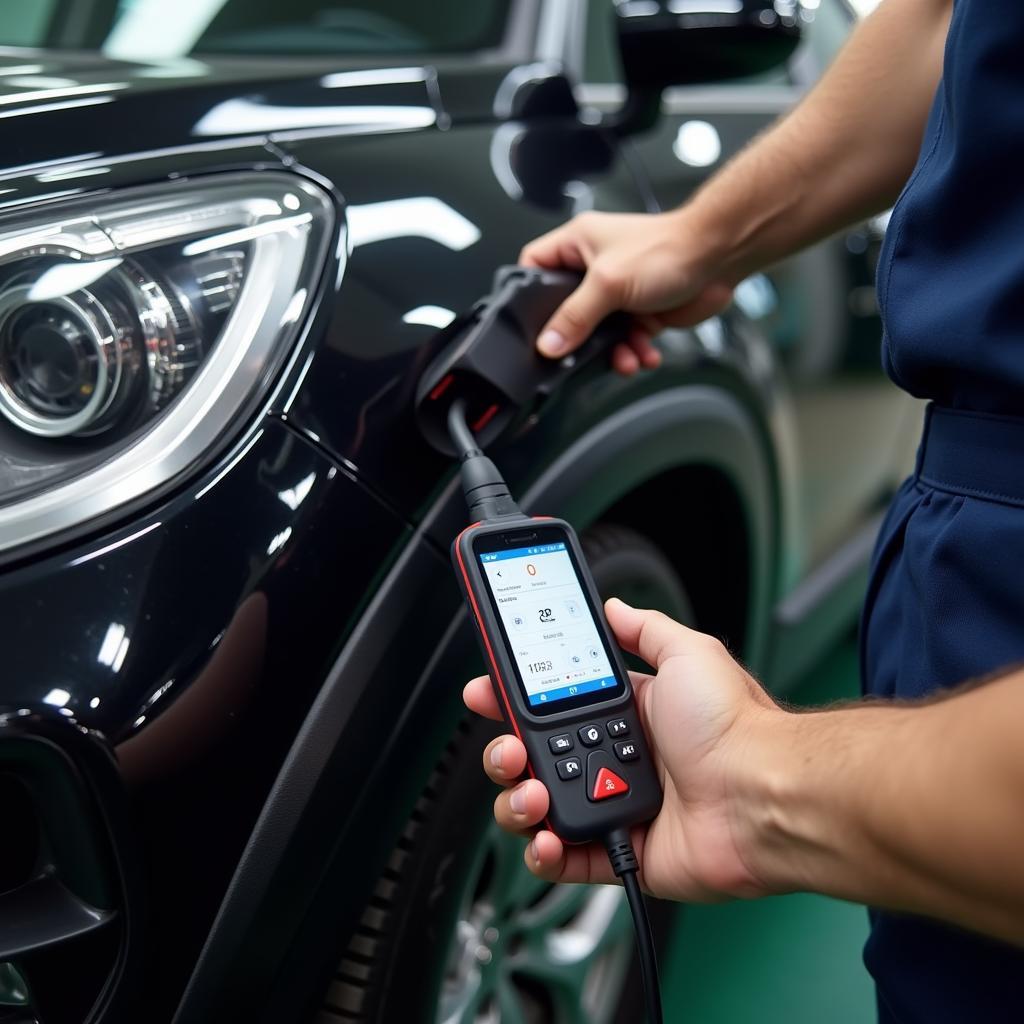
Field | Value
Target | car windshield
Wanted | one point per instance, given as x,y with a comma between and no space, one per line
157,29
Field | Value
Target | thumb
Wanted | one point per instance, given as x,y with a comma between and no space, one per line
575,319
650,634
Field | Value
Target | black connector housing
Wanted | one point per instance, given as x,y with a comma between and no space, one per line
491,361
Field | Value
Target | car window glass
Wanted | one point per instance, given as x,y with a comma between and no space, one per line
601,54
24,24
148,29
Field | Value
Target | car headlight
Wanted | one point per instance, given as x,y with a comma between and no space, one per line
134,331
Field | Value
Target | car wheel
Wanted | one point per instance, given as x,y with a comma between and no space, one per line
457,931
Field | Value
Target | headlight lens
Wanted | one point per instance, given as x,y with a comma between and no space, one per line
133,333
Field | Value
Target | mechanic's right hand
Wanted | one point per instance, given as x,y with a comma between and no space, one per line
644,264
699,713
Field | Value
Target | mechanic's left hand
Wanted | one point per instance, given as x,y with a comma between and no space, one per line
699,712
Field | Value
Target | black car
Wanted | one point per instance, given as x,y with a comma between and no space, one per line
237,781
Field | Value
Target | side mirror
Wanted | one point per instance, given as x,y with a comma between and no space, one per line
690,42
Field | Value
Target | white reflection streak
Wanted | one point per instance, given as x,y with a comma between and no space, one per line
501,159
65,278
75,172
417,216
52,94
246,234
236,116
294,308
41,165
115,545
41,108
279,540
120,656
22,69
377,76
293,497
230,466
41,82
57,698
638,8
429,316
705,6
111,644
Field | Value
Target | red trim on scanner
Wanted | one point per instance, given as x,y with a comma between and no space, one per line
487,641
496,675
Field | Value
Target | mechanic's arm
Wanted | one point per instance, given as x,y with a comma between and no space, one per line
912,807
915,808
843,153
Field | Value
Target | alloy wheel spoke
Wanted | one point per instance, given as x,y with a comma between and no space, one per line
559,904
581,962
509,1006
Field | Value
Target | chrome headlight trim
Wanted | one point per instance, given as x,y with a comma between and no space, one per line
287,222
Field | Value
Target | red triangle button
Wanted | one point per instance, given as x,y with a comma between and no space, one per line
608,784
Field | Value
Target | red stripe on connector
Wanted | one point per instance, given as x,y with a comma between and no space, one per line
441,387
485,419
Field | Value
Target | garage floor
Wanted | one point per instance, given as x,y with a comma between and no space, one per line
785,960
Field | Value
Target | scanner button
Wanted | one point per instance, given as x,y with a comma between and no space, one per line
608,784
618,727
560,744
590,735
626,750
603,780
570,768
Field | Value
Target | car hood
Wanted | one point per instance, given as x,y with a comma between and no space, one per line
175,102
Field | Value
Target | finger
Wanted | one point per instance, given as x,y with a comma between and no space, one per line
478,696
523,806
713,299
504,760
650,634
649,357
549,858
624,360
558,248
574,321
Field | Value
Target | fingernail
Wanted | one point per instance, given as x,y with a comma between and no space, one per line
534,856
551,343
517,800
497,752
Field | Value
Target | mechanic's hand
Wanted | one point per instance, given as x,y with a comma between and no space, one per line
698,712
645,264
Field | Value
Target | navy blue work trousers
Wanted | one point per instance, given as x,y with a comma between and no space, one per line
945,604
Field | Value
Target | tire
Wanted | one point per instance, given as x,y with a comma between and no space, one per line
456,929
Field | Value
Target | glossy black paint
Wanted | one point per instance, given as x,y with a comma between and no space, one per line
256,631
230,610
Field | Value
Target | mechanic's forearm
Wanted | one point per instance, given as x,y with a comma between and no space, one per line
911,808
842,154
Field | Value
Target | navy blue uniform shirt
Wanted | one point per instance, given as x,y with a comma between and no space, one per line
951,274
945,602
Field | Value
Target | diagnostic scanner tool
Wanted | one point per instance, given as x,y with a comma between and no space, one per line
558,673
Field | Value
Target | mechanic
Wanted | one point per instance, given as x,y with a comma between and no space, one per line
911,802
